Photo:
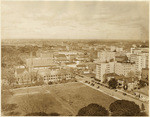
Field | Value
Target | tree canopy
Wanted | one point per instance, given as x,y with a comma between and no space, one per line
93,110
124,108
113,83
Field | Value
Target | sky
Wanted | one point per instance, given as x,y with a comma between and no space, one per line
74,20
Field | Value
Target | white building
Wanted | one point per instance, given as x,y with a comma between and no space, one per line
104,68
112,48
120,68
141,61
123,68
117,49
139,50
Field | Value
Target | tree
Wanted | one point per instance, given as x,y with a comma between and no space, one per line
8,75
34,76
93,110
113,83
50,83
142,84
124,108
125,86
38,83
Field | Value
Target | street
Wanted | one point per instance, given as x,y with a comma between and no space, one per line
111,92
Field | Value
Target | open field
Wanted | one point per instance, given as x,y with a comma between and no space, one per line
67,98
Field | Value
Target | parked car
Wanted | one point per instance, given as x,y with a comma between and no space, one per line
98,87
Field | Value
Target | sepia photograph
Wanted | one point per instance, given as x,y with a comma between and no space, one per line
74,58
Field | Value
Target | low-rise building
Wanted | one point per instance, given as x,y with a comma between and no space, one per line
71,64
54,76
106,56
39,63
61,58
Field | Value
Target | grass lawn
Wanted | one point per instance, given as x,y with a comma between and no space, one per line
67,98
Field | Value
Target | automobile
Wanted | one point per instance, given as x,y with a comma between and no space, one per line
124,94
92,84
86,81
98,87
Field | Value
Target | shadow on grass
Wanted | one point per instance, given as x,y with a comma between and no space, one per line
42,114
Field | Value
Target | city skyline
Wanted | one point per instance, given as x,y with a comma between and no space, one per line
75,20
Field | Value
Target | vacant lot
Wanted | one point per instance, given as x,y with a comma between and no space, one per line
66,99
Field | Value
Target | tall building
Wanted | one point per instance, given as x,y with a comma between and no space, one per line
141,61
123,68
104,68
120,68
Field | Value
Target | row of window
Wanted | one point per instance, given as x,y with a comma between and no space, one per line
57,75
47,78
